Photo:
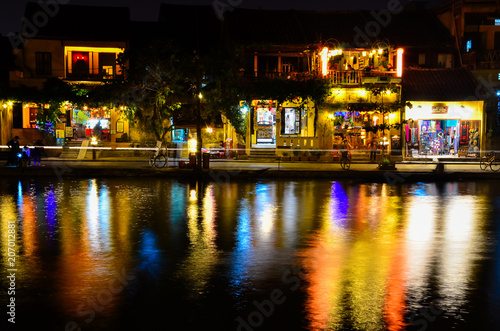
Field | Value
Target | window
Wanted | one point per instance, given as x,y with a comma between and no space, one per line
80,64
43,63
468,45
421,59
180,135
496,41
444,60
291,121
497,21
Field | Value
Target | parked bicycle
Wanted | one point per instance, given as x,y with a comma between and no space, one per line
345,160
158,157
491,160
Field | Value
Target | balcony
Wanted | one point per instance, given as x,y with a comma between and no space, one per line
357,77
273,74
92,76
338,77
488,59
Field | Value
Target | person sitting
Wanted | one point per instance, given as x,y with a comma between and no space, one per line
367,71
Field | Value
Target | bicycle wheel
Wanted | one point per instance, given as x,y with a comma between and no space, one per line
345,163
483,164
160,161
495,165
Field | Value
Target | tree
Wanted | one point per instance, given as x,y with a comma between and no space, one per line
54,93
383,108
225,88
158,84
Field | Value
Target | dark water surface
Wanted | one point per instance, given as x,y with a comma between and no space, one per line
153,254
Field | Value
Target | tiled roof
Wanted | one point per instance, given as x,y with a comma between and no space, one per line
291,27
454,84
73,22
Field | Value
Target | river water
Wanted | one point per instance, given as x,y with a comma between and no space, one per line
156,254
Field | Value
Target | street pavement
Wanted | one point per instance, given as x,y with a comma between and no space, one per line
230,164
222,169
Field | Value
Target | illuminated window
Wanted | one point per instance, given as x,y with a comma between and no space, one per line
291,122
80,63
107,72
180,135
497,21
468,45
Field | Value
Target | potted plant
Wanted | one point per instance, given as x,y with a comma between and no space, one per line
314,155
325,156
285,157
295,156
387,164
304,156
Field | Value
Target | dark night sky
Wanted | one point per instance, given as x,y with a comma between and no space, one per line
11,11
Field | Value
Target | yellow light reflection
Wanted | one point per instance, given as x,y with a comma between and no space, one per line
458,249
348,270
8,216
420,235
203,254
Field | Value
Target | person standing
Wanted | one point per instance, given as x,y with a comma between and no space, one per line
37,152
14,150
98,130
373,150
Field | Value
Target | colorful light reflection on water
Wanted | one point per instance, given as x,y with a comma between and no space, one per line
125,254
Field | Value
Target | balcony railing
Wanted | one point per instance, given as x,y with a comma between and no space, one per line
488,59
272,74
344,77
95,77
355,77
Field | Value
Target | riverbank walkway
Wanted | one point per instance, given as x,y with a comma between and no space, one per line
228,169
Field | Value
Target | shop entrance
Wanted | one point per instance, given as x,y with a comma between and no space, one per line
451,137
266,125
439,137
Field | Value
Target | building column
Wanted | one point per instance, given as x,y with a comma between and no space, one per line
280,69
255,64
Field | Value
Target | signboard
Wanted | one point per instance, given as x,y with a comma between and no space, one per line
69,131
59,133
440,109
60,141
61,126
119,126
265,132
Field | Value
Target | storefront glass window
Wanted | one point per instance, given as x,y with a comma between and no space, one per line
180,135
292,120
448,137
266,120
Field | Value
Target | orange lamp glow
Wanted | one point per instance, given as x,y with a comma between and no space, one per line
324,61
399,70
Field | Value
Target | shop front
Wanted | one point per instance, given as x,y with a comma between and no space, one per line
451,129
263,115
